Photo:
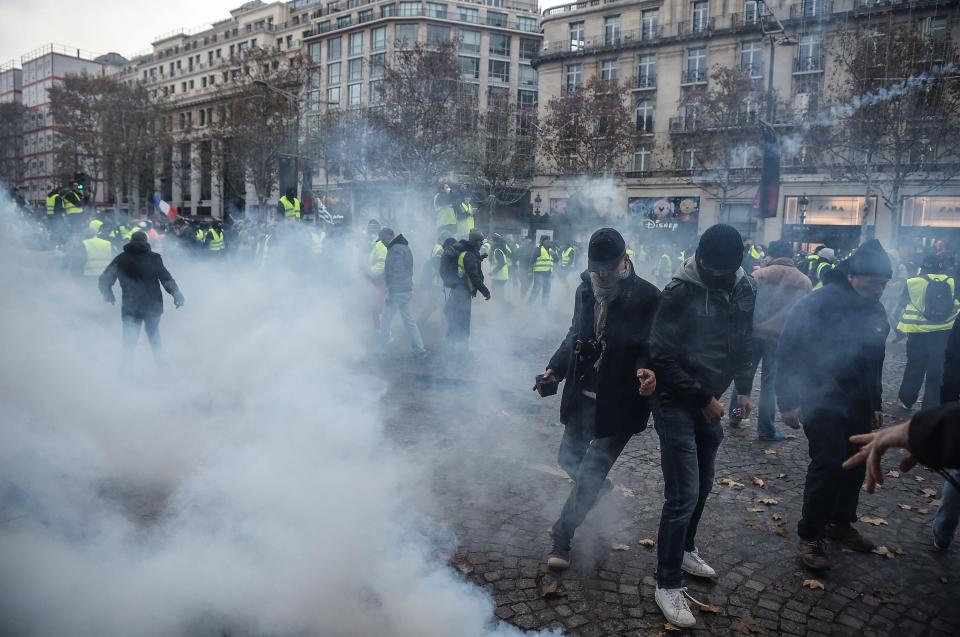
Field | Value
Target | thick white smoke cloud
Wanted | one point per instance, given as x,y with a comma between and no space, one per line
245,489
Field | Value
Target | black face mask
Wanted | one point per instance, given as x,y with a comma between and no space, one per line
723,281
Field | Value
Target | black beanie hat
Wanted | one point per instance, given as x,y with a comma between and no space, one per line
139,235
870,259
721,247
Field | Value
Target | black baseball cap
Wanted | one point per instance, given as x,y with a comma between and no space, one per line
605,251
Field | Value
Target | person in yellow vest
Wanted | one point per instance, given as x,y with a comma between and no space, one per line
430,281
499,265
826,261
376,263
90,257
927,320
544,258
289,206
73,207
467,282
443,211
214,241
463,212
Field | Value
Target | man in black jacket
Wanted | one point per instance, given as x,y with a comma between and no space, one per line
604,360
141,273
701,341
398,277
466,252
831,355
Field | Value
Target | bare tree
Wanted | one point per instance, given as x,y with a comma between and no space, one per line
77,107
587,131
893,112
12,119
258,122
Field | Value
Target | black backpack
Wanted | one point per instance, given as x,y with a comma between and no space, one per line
449,268
937,300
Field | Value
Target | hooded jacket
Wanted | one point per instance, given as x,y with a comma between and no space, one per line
830,354
398,267
779,286
934,436
620,407
141,273
702,338
471,265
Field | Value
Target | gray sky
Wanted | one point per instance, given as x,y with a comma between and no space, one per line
101,26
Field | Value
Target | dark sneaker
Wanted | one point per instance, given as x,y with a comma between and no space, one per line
776,436
559,558
938,544
813,554
850,538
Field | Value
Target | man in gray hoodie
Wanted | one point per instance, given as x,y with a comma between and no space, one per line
398,278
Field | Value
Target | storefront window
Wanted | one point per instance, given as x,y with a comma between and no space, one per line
931,212
824,211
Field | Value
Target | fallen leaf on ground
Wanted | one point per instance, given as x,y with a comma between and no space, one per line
875,521
707,607
729,482
671,627
777,517
757,481
465,566
769,452
905,507
768,501
814,584
919,478
756,526
747,625
846,551
928,493
935,503
603,614
888,552
620,547
893,473
781,476
647,542
753,510
783,530
548,586
923,510
887,596
943,580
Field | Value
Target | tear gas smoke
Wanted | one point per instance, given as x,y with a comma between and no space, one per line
245,489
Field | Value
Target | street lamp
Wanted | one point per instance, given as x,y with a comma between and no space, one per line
294,102
536,204
803,202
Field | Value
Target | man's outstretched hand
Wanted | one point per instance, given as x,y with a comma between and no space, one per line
875,444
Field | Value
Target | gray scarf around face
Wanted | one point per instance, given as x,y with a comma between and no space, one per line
605,291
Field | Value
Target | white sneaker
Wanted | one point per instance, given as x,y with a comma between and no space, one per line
694,565
673,604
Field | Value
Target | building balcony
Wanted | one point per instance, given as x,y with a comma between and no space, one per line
645,82
684,124
693,76
808,64
811,9
745,19
754,70
695,27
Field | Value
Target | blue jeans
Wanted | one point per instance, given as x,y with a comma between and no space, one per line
688,451
765,355
948,515
400,302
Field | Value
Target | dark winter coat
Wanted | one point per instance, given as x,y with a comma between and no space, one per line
950,390
398,267
471,266
620,407
779,286
934,436
702,339
141,273
831,351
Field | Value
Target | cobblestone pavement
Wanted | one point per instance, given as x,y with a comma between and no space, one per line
489,445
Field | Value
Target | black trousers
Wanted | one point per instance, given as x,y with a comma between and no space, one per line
587,460
831,493
925,358
541,285
457,313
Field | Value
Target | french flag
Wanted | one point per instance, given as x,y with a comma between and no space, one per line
164,207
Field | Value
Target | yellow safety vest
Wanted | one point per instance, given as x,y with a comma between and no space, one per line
216,240
465,225
913,321
52,203
503,274
99,254
290,208
821,270
544,262
71,204
446,216
567,257
462,272
755,253
378,258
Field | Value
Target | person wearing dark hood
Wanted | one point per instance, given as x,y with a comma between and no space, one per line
141,273
465,279
398,277
604,361
779,286
701,341
830,361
